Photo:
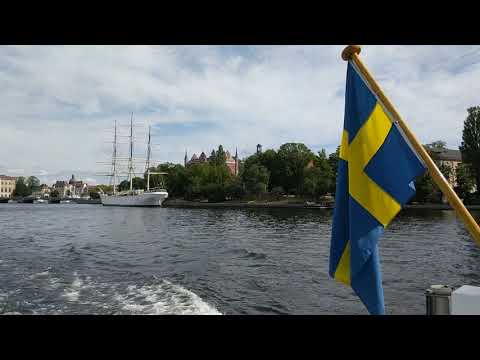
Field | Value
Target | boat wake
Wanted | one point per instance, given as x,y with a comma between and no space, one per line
84,295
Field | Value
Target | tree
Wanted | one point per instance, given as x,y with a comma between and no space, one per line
21,189
33,183
319,178
333,162
138,183
124,185
94,194
470,147
254,175
234,188
294,157
465,181
54,194
438,145
220,156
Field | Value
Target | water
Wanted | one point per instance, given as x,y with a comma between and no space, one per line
89,259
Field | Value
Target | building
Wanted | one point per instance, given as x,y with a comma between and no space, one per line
451,158
7,186
72,188
79,188
231,161
43,191
63,188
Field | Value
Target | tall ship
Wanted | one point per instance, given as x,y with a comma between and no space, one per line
149,197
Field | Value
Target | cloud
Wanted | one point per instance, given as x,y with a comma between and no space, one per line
58,104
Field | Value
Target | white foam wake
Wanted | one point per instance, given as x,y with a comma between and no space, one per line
161,298
165,298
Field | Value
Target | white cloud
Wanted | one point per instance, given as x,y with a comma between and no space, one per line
58,103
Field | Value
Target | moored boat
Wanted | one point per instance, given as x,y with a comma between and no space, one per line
133,197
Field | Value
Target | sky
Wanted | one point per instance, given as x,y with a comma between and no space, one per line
58,104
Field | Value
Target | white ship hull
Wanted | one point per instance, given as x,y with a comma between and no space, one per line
142,199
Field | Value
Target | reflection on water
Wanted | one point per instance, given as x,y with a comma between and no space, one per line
92,259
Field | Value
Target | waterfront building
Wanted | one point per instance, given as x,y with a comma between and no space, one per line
63,188
7,186
449,157
72,188
231,161
43,191
79,188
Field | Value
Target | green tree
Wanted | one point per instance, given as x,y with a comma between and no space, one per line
333,162
293,157
254,175
138,183
318,179
94,194
33,183
465,181
54,194
21,189
124,185
234,188
470,146
220,156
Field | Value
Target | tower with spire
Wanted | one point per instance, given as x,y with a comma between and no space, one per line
236,161
185,159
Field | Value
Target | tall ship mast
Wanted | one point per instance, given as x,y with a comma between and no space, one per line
133,197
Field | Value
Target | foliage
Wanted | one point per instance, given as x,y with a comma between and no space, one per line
94,194
234,188
33,183
293,157
465,182
21,188
138,183
54,194
106,189
470,146
253,175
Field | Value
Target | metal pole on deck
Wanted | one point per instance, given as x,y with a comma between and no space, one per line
438,300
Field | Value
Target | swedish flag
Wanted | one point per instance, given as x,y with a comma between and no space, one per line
376,173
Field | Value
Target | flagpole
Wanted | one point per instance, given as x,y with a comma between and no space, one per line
350,53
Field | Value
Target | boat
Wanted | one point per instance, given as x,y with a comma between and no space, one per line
65,201
132,197
4,200
40,201
87,201
11,201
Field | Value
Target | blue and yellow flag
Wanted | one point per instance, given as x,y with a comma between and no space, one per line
376,173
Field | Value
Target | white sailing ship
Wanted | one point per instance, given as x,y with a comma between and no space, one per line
132,197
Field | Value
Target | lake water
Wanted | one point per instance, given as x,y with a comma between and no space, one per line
90,259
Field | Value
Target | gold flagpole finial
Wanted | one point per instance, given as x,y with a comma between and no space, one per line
350,50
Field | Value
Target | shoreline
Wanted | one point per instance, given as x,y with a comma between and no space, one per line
184,204
179,203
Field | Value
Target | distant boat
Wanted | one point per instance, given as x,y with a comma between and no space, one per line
27,200
132,197
11,201
87,201
66,201
40,201
54,201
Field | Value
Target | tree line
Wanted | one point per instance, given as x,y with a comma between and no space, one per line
293,169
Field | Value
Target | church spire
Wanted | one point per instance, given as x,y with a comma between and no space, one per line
236,161
185,159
